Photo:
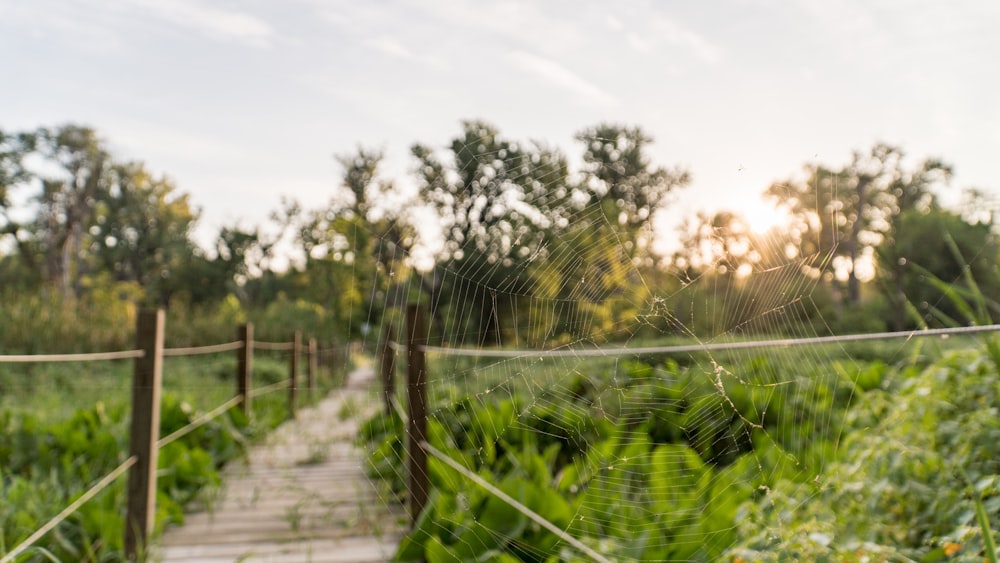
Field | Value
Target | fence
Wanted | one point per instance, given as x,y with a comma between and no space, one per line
144,439
415,347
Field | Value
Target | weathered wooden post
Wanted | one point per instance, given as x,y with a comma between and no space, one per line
331,359
311,366
387,368
293,371
147,380
416,386
244,365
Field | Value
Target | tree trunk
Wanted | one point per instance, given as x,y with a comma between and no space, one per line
853,284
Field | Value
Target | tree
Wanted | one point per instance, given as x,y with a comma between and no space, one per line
606,240
141,230
497,205
20,270
843,214
620,177
719,244
938,246
518,230
13,148
501,196
65,201
348,249
90,218
736,280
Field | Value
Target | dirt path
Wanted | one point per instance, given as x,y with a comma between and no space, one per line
301,496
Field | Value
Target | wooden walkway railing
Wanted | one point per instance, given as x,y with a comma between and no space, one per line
144,439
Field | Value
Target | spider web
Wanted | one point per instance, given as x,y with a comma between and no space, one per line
595,388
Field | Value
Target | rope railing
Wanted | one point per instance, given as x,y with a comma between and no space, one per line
200,350
515,504
398,407
274,346
198,421
73,507
149,334
281,385
87,357
701,347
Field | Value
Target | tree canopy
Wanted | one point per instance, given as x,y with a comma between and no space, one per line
489,229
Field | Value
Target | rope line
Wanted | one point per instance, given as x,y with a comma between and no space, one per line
198,421
514,503
703,347
270,388
199,350
89,357
403,415
66,512
278,346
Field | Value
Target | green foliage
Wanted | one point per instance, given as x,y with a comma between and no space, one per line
938,257
100,320
47,465
899,487
197,324
839,460
51,452
648,461
282,317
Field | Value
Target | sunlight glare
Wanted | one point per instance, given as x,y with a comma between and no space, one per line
762,217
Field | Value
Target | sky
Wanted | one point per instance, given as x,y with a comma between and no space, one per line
242,103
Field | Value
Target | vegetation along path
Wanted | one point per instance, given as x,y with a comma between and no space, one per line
301,496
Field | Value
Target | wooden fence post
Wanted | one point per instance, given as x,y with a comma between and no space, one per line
416,386
331,359
387,368
147,379
293,371
311,367
244,365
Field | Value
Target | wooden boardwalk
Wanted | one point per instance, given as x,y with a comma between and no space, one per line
302,496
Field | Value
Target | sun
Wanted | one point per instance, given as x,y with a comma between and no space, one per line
763,217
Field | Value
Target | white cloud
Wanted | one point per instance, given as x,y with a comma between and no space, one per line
518,21
679,35
394,48
638,43
391,47
214,22
558,75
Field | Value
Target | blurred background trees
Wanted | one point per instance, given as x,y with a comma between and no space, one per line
505,240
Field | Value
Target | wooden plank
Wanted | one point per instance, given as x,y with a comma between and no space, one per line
304,489
342,550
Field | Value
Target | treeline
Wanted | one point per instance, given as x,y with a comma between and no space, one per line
867,247
503,239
